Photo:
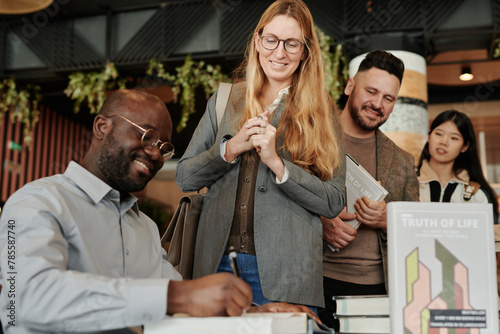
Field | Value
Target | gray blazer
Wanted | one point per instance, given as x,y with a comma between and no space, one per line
287,229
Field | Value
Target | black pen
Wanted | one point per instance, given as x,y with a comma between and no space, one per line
234,263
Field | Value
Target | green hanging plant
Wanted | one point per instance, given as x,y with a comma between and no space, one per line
23,105
92,87
188,77
496,51
335,66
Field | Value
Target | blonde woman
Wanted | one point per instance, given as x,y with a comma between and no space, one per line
273,165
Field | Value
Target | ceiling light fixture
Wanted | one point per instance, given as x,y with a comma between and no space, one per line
466,74
23,6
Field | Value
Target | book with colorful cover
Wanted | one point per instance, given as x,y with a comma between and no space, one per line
442,270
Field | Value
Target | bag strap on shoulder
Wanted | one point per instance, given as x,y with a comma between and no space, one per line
471,189
476,186
222,98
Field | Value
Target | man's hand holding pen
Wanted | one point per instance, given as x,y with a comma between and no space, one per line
213,295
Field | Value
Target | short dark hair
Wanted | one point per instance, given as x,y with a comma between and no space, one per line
383,60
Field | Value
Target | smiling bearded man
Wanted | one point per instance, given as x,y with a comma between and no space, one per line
361,265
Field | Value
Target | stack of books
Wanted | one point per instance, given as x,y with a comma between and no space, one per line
363,314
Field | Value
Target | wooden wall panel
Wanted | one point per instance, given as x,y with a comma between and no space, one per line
51,145
45,127
7,158
37,147
56,141
16,163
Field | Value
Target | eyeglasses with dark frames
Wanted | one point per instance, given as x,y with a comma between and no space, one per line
270,42
151,139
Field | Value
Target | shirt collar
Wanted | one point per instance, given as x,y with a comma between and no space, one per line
97,189
276,101
427,174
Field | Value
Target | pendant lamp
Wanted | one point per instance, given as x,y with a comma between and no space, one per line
22,6
466,74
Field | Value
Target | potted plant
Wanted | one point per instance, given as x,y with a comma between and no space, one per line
92,87
23,105
188,77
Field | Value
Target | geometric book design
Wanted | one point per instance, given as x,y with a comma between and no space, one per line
450,311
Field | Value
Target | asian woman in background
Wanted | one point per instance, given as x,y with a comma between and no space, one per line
449,168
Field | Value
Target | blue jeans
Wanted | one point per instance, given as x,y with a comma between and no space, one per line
249,273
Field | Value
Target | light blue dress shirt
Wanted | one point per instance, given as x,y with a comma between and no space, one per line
84,260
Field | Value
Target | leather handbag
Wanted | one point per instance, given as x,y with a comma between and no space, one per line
180,237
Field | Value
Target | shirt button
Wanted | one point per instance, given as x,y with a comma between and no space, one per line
262,189
243,207
247,180
127,252
244,234
243,247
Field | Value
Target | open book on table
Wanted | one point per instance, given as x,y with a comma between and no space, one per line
359,183
261,323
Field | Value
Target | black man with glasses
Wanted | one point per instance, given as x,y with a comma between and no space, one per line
86,259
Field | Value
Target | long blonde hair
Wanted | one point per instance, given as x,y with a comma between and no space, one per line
313,133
